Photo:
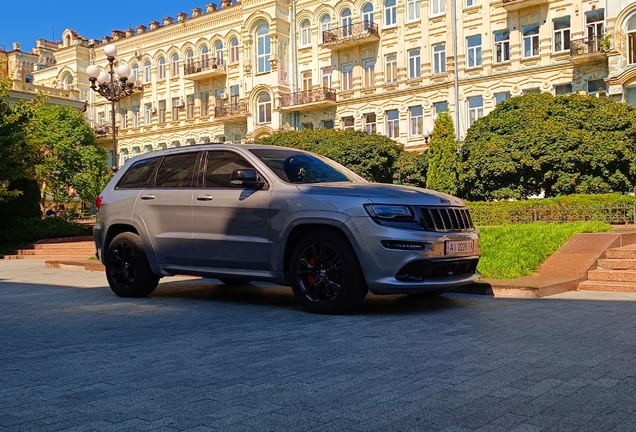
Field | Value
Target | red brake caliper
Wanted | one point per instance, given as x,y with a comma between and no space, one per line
311,278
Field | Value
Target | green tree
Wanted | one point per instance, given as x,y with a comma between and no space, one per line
560,145
72,163
443,162
18,156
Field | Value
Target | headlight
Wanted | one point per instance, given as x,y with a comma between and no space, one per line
390,212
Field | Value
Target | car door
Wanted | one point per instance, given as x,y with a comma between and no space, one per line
165,209
231,224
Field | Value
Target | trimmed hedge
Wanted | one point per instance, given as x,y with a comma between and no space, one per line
31,229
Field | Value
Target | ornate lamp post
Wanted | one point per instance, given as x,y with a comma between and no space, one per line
104,83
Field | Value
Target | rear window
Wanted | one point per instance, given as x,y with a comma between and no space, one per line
176,170
139,175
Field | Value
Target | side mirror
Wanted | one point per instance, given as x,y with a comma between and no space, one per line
246,177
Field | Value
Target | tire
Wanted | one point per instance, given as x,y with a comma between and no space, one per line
234,282
325,274
127,268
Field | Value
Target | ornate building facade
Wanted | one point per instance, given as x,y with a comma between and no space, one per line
249,69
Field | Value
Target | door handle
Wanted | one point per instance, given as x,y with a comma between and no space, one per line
205,198
147,197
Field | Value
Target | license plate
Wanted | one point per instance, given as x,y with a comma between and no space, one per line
455,247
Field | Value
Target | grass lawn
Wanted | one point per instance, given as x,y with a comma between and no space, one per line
510,251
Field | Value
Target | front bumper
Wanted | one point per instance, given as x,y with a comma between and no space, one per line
398,271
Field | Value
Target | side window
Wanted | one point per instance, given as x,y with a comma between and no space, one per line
219,167
176,171
138,175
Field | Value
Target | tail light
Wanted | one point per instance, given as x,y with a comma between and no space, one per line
98,201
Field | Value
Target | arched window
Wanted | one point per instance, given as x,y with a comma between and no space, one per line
325,26
631,40
68,40
305,33
174,65
264,49
367,15
147,73
134,74
204,58
218,52
161,70
189,62
390,13
67,81
345,23
264,107
234,50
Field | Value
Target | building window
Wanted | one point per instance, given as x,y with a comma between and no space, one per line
561,36
264,108
204,57
416,120
147,148
502,46
123,118
500,97
305,33
439,59
415,64
234,96
134,74
390,72
189,62
563,89
345,23
368,67
161,73
393,124
135,116
347,77
596,86
162,111
263,49
470,3
325,26
367,15
440,107
412,10
531,90
327,124
147,74
205,103
594,24
438,7
631,40
189,106
234,50
370,123
174,69
530,40
347,122
307,80
176,104
308,125
390,13
475,109
218,53
147,114
326,78
473,44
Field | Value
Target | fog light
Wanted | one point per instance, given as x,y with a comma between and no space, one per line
405,245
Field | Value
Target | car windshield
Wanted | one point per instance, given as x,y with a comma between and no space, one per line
298,167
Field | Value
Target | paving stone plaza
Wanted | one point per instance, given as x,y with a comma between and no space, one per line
199,356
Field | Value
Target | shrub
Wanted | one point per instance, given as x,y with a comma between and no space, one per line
23,230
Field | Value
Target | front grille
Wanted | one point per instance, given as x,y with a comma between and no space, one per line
444,219
425,269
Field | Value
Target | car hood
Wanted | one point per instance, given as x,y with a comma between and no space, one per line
382,193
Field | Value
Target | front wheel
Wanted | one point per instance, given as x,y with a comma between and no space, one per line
325,274
127,269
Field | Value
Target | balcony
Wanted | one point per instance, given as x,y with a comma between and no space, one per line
350,35
590,50
231,113
513,5
307,100
204,69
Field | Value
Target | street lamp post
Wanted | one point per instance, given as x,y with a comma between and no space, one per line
104,83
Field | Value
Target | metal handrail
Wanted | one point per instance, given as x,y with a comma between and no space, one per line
203,65
351,31
308,96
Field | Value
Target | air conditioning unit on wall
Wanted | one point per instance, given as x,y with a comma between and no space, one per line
178,103
223,95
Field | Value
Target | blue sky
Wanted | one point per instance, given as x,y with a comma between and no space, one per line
27,21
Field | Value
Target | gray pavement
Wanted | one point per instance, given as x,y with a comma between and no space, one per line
198,356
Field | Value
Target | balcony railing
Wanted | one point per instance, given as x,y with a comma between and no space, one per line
589,49
522,4
103,130
308,96
231,110
203,66
350,34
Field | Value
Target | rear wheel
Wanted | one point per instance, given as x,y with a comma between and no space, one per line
325,274
234,282
127,269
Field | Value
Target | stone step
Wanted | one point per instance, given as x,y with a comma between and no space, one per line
73,245
617,264
45,257
57,251
91,265
608,286
612,275
627,252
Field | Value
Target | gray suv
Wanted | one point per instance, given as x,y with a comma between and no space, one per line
242,213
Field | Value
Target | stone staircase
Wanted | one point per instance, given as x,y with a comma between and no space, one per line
614,272
71,248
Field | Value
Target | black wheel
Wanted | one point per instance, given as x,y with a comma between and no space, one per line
234,282
127,268
325,274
